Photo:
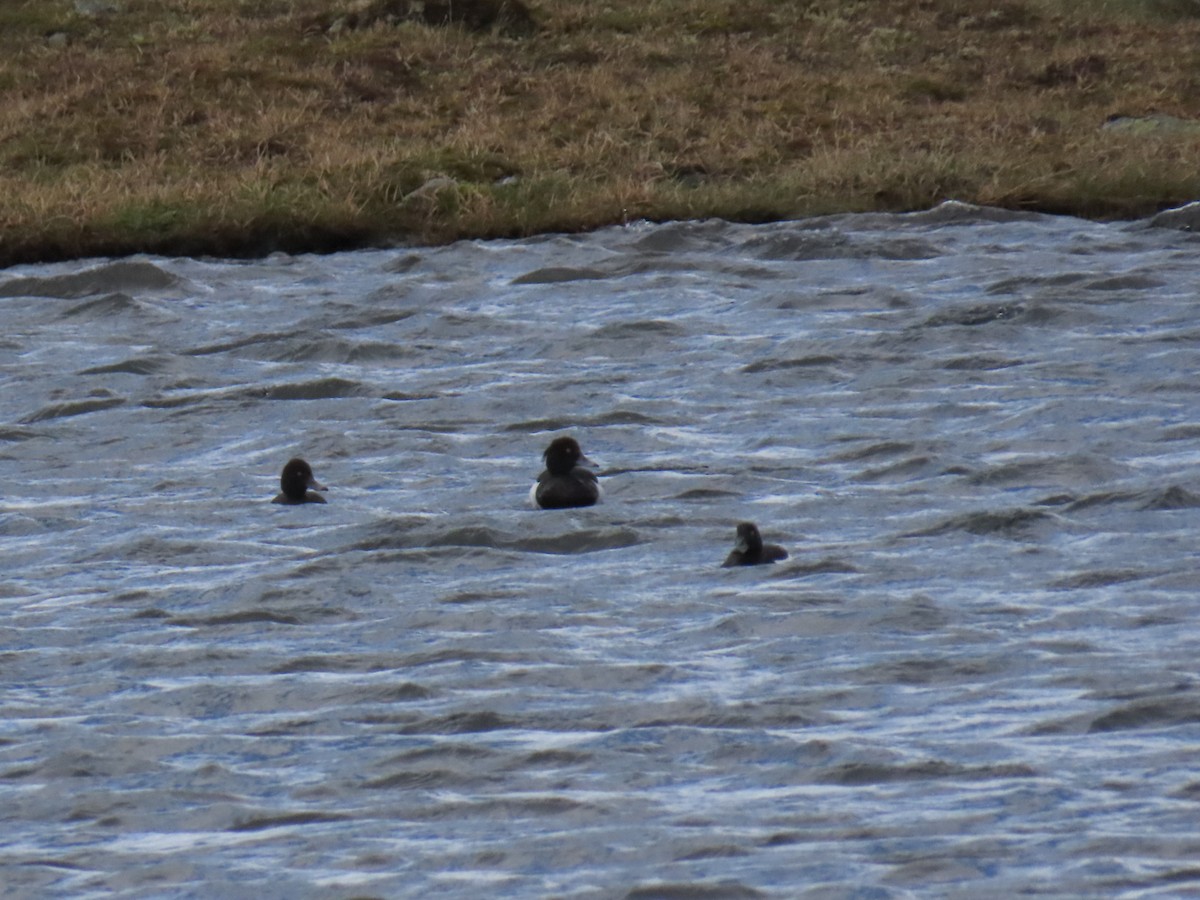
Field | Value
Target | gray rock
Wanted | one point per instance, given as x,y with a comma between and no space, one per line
1182,218
429,191
1156,123
93,8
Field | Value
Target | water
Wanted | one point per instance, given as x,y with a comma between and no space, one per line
975,431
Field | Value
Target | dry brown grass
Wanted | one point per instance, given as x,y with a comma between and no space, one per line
240,126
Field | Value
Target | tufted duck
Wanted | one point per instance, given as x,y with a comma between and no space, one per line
565,482
295,482
750,549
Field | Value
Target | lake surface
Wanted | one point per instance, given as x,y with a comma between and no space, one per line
977,675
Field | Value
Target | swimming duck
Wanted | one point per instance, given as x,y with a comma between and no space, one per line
750,549
565,482
295,481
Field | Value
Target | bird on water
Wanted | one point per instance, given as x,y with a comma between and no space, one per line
750,549
565,482
295,483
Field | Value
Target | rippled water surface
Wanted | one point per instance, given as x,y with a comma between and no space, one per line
978,434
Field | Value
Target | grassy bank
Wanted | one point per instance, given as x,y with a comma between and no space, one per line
241,126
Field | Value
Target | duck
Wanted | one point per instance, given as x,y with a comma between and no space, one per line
295,480
750,549
565,483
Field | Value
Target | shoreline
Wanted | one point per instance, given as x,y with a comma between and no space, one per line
238,129
260,245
